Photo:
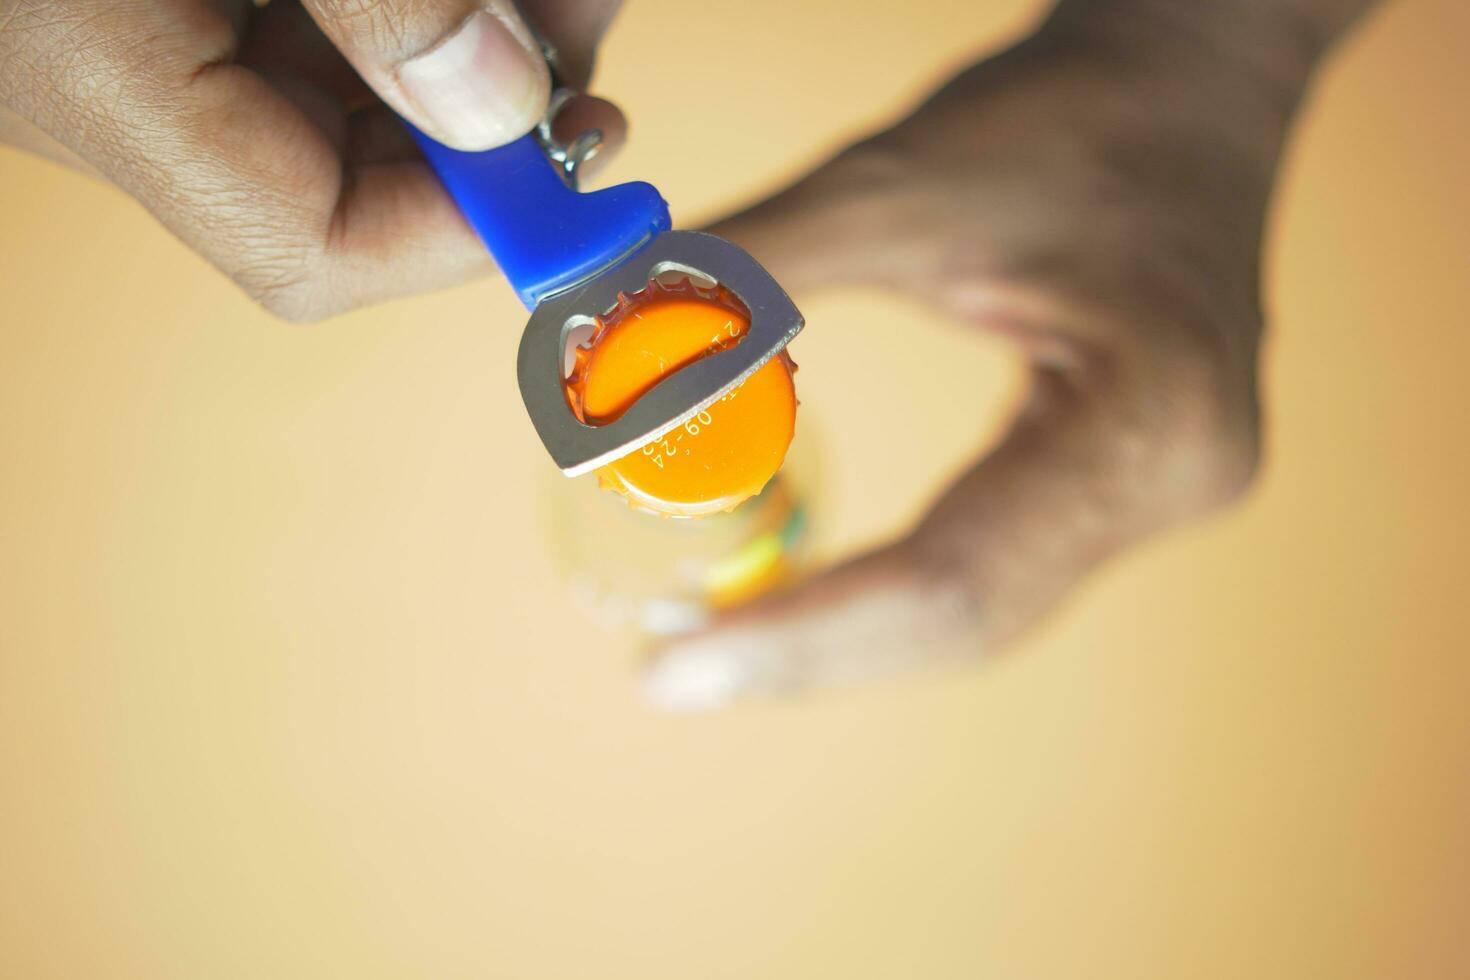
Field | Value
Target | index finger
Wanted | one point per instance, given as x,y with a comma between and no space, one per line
882,614
247,172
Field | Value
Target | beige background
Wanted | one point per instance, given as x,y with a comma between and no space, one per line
288,687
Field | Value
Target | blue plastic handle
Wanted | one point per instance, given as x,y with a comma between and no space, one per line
544,235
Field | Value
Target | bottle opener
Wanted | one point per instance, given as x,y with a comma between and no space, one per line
568,255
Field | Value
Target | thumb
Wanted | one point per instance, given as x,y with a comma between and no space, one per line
467,72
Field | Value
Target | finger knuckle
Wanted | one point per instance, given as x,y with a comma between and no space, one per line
380,24
1213,474
1210,447
293,291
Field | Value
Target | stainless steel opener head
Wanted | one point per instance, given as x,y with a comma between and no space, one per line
579,448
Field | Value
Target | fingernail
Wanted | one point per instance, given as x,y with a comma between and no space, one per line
694,679
479,87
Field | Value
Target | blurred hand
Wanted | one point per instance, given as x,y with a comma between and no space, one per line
265,138
1095,195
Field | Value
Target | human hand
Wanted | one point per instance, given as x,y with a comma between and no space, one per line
1095,195
265,136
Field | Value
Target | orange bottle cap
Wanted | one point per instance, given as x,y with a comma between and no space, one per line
724,454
